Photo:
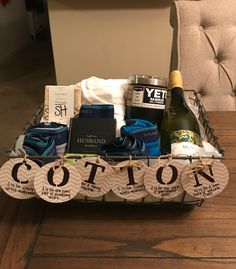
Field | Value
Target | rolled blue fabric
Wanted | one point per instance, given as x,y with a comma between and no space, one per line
38,145
101,111
123,146
59,132
145,131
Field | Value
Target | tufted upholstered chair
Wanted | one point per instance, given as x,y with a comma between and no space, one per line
204,49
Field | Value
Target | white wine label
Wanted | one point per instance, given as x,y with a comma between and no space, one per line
184,148
128,180
96,176
162,179
205,181
57,183
17,178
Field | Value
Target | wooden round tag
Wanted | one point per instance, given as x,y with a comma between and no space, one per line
17,178
205,181
96,176
162,179
57,183
128,180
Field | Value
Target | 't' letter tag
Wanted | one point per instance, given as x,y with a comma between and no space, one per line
96,176
128,180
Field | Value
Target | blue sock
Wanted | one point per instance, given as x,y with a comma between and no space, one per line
145,131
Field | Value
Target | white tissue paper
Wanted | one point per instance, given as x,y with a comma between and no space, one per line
207,150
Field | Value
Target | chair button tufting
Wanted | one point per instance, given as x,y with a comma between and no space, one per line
233,94
200,93
216,60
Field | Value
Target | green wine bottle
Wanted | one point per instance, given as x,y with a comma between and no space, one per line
180,132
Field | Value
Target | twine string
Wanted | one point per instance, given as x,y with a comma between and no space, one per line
131,163
169,160
98,159
200,166
23,153
59,163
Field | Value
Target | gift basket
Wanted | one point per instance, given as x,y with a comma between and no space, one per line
106,151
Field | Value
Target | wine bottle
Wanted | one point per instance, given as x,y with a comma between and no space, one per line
180,132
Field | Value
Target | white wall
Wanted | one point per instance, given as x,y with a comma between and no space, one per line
14,31
109,38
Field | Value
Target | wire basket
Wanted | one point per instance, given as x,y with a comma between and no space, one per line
183,199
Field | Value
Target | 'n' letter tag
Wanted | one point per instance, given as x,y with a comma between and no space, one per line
205,181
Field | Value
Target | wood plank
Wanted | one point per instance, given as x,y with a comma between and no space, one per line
130,263
222,118
224,125
227,141
21,239
229,155
8,207
133,232
231,166
192,247
197,247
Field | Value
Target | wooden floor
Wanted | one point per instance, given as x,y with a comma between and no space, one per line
37,235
